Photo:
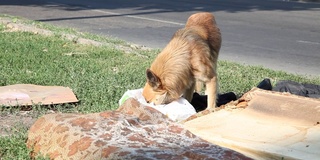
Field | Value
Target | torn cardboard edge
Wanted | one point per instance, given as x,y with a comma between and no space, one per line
30,94
269,125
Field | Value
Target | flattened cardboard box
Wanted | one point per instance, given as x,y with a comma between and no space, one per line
29,94
273,125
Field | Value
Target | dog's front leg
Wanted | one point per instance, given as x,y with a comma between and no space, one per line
199,85
188,94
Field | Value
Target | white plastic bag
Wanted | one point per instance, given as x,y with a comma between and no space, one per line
178,110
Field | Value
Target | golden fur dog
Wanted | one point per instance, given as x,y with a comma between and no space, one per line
189,59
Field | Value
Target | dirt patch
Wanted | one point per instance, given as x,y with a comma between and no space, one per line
11,123
16,121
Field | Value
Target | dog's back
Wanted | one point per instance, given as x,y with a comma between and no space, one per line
210,32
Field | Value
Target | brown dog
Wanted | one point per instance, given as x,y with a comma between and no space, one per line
189,59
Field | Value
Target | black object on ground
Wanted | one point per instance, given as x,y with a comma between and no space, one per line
199,102
300,89
265,84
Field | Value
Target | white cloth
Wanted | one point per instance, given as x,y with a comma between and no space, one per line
178,110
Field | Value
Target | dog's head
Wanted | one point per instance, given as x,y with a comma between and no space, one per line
154,90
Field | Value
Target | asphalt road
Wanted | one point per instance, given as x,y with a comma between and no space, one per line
280,35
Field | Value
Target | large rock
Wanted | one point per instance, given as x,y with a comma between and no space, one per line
133,131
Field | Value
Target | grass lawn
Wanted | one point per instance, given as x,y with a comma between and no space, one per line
98,75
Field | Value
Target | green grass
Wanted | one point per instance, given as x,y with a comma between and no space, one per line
14,147
98,75
241,78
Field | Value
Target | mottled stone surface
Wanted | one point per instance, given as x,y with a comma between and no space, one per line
133,131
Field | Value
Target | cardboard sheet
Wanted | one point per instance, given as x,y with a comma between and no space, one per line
273,125
29,94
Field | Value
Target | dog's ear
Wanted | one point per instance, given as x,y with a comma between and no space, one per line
153,79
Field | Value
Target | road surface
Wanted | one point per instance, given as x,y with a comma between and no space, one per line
280,35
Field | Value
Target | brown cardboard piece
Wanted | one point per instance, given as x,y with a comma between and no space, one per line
29,94
273,125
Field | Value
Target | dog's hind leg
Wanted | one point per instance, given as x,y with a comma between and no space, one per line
211,89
